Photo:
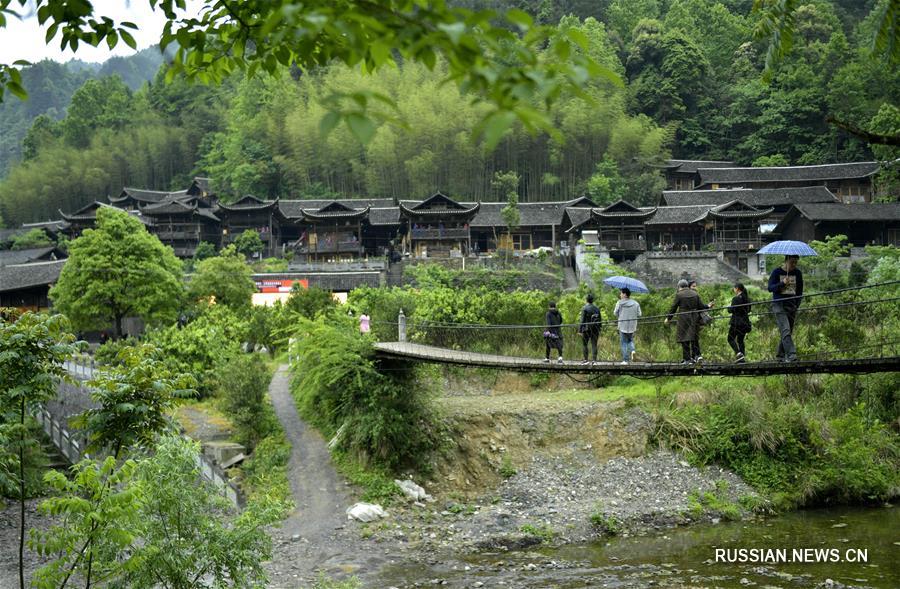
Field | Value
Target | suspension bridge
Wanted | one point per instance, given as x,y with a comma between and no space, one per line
507,347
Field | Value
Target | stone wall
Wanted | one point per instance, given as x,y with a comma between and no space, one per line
665,269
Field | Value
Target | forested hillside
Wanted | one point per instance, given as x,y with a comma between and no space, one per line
691,88
51,86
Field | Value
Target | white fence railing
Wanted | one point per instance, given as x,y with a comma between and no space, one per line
72,446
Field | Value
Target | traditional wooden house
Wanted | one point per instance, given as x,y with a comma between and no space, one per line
868,224
437,227
850,182
677,228
379,229
133,199
334,233
734,229
682,174
618,228
183,223
25,286
780,200
251,213
85,218
621,228
540,225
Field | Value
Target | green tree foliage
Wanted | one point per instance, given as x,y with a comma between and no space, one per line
249,243
118,270
190,537
377,417
32,350
151,523
204,250
606,186
770,160
242,389
203,346
30,239
97,519
133,398
489,61
225,279
309,302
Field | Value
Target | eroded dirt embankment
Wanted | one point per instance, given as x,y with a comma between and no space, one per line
524,468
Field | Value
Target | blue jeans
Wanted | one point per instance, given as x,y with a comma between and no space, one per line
785,313
627,342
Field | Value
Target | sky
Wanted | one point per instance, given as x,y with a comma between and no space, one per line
24,39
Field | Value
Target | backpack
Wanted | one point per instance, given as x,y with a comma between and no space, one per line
592,325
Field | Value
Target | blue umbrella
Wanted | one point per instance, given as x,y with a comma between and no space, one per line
788,248
633,284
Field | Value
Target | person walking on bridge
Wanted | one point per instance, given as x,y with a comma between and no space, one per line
786,286
740,325
688,306
627,311
553,334
589,328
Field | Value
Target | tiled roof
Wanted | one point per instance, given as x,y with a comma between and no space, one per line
12,257
851,212
788,173
146,195
249,202
531,214
384,216
678,215
86,213
293,208
578,216
52,226
15,277
334,212
691,166
758,197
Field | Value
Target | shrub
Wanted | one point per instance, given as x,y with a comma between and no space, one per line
309,302
787,448
202,346
242,386
378,417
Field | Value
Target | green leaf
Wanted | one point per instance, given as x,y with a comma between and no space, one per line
520,18
495,126
329,122
578,37
129,40
453,30
361,126
111,39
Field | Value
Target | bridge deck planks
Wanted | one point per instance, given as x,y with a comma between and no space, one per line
423,353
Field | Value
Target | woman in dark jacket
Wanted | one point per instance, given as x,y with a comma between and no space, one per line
688,306
553,333
740,321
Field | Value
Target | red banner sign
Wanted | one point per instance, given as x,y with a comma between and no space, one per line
270,286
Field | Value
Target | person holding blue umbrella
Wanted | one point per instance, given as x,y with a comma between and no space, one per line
628,311
786,286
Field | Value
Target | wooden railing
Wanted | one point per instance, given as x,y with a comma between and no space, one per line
446,233
624,244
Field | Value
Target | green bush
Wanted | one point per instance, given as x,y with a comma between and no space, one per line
242,386
379,416
309,302
789,449
107,354
203,346
265,472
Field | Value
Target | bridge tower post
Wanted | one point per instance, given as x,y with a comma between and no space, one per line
401,327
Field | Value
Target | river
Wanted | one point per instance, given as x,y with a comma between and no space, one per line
686,557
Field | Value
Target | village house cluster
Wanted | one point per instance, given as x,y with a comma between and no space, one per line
707,205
